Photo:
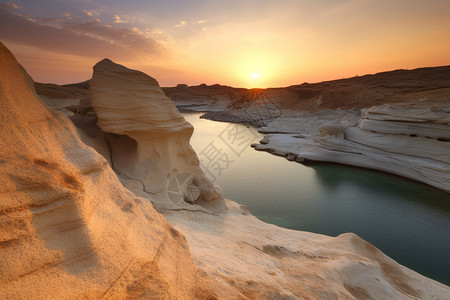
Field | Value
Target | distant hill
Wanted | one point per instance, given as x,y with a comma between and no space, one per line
428,85
424,84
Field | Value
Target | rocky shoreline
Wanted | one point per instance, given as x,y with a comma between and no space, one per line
83,221
402,127
411,142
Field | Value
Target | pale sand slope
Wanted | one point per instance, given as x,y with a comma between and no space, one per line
411,141
68,228
238,255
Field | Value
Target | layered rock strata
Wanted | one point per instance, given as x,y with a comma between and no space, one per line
413,142
144,137
68,228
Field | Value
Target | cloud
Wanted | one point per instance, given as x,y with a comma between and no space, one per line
50,20
181,24
89,39
200,22
118,20
93,13
10,5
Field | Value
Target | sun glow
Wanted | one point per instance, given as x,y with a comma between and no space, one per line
255,69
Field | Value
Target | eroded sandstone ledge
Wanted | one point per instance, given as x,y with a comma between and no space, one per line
411,141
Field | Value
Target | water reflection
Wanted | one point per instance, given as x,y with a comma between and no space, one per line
331,176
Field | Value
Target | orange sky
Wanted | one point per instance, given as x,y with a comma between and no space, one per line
238,43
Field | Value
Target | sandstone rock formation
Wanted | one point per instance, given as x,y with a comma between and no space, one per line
239,257
68,228
148,138
246,258
416,120
411,141
63,98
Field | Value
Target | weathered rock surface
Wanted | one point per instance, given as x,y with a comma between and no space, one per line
413,142
241,257
150,141
68,228
247,258
430,122
222,103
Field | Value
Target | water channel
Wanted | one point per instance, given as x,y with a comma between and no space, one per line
407,220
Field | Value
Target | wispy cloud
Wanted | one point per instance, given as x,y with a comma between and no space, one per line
200,22
117,19
50,20
10,5
93,13
91,38
182,23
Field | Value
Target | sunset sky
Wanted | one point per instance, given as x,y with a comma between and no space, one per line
242,43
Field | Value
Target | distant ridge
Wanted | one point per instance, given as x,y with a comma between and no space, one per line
422,84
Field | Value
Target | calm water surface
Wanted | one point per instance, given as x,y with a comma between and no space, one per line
408,221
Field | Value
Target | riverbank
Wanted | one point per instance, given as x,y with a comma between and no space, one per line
412,142
396,122
409,140
330,199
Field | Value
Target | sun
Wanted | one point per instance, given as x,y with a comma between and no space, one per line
255,76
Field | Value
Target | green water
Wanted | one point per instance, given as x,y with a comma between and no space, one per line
408,221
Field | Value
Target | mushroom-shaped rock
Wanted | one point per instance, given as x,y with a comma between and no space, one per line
148,137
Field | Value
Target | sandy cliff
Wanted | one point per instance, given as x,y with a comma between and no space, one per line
68,228
260,106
